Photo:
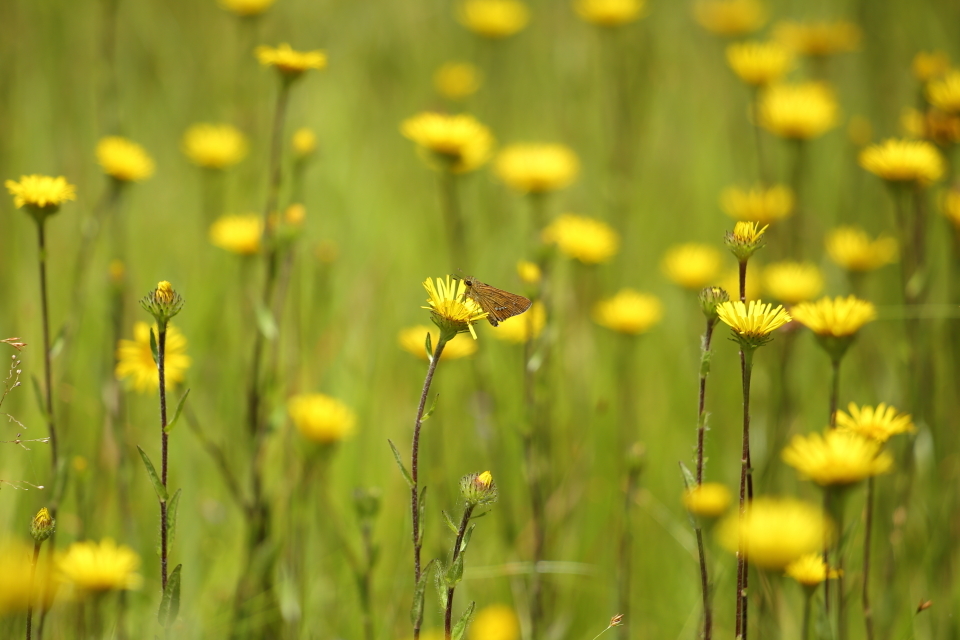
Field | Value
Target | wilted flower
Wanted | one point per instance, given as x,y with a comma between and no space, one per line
124,159
797,111
457,80
730,17
459,142
759,63
819,38
629,312
290,63
494,18
837,457
95,568
852,249
585,239
792,282
238,233
692,265
903,161
135,359
880,423
610,13
760,204
413,340
525,327
214,146
537,168
707,500
320,418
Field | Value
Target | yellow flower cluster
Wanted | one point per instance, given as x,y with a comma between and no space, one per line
610,13
320,418
760,204
903,161
239,234
457,80
289,62
792,282
537,168
835,317
629,312
585,239
413,340
730,17
96,568
522,328
135,359
819,38
124,159
838,457
41,192
852,249
460,142
880,423
759,63
692,265
214,146
776,531
494,18
797,111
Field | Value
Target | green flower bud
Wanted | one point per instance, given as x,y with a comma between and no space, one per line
478,489
43,525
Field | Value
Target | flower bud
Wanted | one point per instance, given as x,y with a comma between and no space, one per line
162,303
43,525
709,298
478,489
745,239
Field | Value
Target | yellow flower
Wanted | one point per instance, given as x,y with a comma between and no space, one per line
928,65
452,311
238,233
629,312
494,18
810,570
457,80
776,531
836,317
495,622
709,500
757,204
837,457
95,568
304,142
878,423
792,282
934,125
754,320
135,359
123,159
852,249
819,38
529,272
413,340
903,161
460,142
43,524
291,64
944,92
527,326
759,63
537,168
610,13
214,146
320,418
588,240
692,265
745,239
246,7
41,192
730,17
950,206
798,111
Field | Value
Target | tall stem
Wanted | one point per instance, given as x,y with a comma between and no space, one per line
47,372
834,390
415,471
33,574
746,370
161,351
701,434
742,280
448,613
807,607
867,531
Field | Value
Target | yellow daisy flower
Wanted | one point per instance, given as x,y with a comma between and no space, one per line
529,272
904,161
320,418
944,92
537,168
610,13
760,204
792,282
852,249
835,317
810,570
135,359
494,18
288,62
452,311
880,423
629,312
459,142
755,320
759,63
239,234
692,265
123,159
43,193
708,500
585,239
730,17
413,340
797,111
495,622
837,457
98,567
214,146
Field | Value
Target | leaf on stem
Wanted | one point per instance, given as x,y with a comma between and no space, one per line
416,612
154,349
461,627
154,478
403,469
176,415
450,522
172,517
429,412
170,603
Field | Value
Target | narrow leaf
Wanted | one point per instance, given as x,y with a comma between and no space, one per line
688,479
416,612
176,415
428,345
172,517
154,349
170,603
461,627
433,407
441,587
450,523
421,506
154,478
454,573
466,538
403,469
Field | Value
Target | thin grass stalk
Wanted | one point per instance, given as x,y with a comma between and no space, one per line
625,550
746,370
415,471
33,574
629,472
164,437
448,612
701,435
867,532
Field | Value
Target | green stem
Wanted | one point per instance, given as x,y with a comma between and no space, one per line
807,607
453,217
867,531
47,367
746,493
834,390
161,354
33,574
701,434
448,613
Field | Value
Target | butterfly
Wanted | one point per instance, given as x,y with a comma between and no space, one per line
498,304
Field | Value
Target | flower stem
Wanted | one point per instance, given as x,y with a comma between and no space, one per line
796,235
415,495
807,607
834,390
33,573
701,433
867,531
742,278
453,217
746,493
161,354
448,613
47,373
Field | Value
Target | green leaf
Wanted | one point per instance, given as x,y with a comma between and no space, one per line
466,538
461,627
441,587
266,322
454,573
170,603
172,517
154,478
688,479
403,469
38,394
450,522
154,349
416,612
421,506
428,345
705,364
433,407
176,415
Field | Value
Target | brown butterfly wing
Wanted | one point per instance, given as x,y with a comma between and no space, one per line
498,304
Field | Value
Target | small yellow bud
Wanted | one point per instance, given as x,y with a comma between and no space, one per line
478,489
43,525
162,303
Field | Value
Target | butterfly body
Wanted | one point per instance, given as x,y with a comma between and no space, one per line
497,303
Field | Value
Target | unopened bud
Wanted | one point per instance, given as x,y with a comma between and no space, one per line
162,303
710,298
43,525
478,488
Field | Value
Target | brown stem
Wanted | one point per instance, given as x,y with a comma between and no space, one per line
33,573
448,613
47,373
701,432
746,494
742,278
415,470
161,353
